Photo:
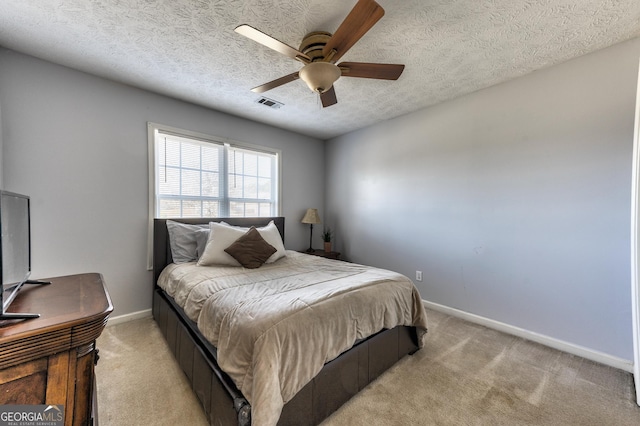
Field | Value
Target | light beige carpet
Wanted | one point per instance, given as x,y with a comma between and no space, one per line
466,375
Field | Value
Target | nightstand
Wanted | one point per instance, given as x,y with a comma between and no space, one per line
322,253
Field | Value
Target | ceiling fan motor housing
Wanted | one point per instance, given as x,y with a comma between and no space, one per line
313,43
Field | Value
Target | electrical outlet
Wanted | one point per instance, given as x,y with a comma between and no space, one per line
418,275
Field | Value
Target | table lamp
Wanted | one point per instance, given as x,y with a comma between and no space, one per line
311,217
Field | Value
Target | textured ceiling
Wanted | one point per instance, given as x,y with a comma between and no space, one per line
187,49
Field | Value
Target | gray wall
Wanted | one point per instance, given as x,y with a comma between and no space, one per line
1,168
77,144
514,201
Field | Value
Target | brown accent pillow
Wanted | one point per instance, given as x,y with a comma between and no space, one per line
251,250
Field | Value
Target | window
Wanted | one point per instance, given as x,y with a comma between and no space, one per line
194,175
201,176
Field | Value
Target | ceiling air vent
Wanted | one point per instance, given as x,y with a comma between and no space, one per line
269,102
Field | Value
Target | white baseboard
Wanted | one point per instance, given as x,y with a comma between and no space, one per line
602,358
129,317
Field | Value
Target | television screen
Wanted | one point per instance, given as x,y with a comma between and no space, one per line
15,255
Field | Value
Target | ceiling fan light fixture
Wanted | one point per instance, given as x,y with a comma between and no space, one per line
320,76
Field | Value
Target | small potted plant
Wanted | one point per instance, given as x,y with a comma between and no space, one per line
326,237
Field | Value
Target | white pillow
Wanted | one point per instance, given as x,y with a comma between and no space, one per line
222,235
271,235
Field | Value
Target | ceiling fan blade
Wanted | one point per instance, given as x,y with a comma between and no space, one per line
275,83
362,17
366,70
266,40
328,98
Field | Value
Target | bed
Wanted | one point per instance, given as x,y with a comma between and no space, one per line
307,395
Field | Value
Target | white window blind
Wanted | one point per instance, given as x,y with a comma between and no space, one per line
208,178
188,177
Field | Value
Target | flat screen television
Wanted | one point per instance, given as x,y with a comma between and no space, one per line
15,250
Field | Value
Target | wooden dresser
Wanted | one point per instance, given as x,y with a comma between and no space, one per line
50,360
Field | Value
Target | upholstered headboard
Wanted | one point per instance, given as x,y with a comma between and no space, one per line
162,249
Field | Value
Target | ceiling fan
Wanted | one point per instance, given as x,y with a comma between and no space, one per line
320,50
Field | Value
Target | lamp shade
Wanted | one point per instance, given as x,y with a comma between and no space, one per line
311,216
320,76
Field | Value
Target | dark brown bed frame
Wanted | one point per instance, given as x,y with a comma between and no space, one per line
223,403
